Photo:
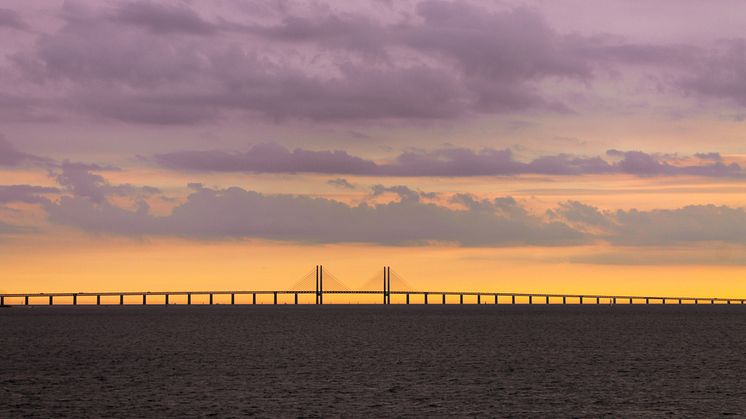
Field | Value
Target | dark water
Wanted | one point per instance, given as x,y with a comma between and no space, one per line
372,361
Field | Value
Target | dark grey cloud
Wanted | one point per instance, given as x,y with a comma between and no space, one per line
340,183
709,156
268,158
658,227
720,74
643,164
272,158
693,223
11,19
510,46
79,179
163,18
25,193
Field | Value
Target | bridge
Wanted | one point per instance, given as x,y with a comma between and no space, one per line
319,283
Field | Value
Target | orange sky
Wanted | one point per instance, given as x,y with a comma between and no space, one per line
487,146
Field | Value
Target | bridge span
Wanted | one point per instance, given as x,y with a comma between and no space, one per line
385,292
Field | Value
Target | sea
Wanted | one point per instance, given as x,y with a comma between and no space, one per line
373,361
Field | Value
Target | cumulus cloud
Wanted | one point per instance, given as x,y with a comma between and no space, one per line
689,224
414,217
455,162
79,179
238,213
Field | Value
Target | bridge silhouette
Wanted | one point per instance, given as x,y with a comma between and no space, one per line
321,282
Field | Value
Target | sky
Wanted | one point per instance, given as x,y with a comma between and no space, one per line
515,146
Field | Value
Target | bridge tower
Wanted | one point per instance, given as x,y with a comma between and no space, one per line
387,284
319,284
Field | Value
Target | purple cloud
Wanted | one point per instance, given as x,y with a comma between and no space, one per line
719,74
78,179
11,19
464,60
268,158
10,156
162,18
238,213
25,193
689,224
448,162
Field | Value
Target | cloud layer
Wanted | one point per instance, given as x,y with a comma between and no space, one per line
404,217
272,158
421,60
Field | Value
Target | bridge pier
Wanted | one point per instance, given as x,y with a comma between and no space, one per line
144,299
461,298
564,300
581,300
296,298
233,298
712,301
598,300
630,300
495,298
512,299
275,297
547,299
98,300
479,299
614,301
166,300
121,299
25,301
75,299
425,295
321,284
663,301
2,300
647,300
189,298
253,298
530,299
407,298
443,299
210,298
51,300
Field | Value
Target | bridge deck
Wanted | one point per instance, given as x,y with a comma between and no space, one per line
532,297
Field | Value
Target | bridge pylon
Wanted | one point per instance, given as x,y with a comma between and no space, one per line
319,284
387,284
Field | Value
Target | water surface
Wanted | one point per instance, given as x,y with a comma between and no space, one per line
372,361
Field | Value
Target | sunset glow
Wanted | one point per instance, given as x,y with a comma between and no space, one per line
506,146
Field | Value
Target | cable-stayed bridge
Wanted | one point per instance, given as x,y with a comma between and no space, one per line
320,282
